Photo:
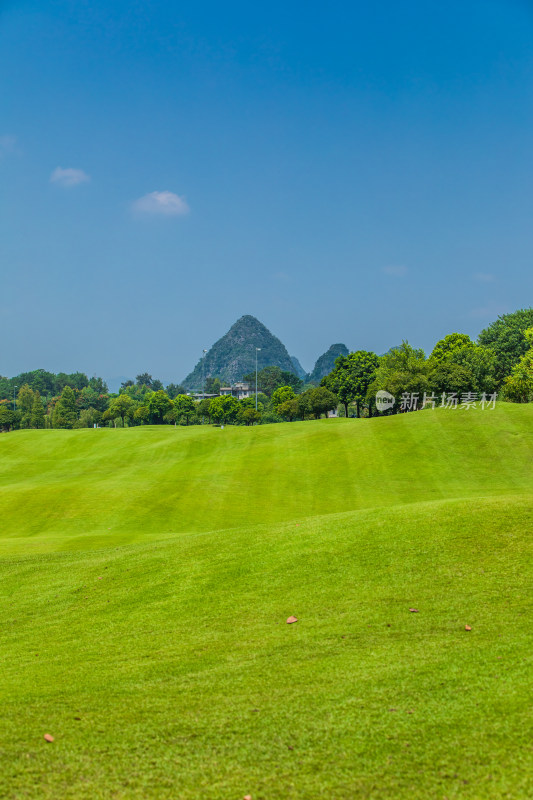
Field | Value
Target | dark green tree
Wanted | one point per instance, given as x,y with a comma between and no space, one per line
320,401
351,377
402,370
203,408
98,385
89,417
25,399
173,390
8,418
518,386
449,377
37,411
144,379
506,338
290,409
65,414
249,416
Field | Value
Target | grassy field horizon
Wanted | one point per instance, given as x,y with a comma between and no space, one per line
147,575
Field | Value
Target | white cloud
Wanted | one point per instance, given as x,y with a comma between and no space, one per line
8,145
69,177
484,277
398,270
166,204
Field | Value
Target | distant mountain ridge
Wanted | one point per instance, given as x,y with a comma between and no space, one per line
298,369
233,355
326,362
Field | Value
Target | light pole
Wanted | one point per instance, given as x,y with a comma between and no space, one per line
257,350
203,375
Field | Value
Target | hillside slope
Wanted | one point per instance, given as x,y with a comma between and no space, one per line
166,670
98,486
325,363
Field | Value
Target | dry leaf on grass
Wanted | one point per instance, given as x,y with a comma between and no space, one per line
413,610
468,628
48,737
290,620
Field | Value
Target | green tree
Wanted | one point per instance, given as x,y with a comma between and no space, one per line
453,341
65,414
505,337
98,385
290,409
351,377
142,414
404,369
25,404
249,402
173,390
449,377
158,404
224,409
37,411
249,415
518,386
481,362
203,408
281,395
121,406
321,400
144,379
89,397
8,418
89,417
185,407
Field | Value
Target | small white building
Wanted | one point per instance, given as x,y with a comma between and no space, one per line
239,390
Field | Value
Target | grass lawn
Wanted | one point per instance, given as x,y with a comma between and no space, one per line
146,576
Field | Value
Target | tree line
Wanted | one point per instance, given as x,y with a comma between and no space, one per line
500,362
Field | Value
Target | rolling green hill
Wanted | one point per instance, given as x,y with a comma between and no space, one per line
146,578
70,489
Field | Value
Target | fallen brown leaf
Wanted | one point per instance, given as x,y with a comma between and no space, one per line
413,610
290,620
48,737
468,628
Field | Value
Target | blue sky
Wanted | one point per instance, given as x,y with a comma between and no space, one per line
347,172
